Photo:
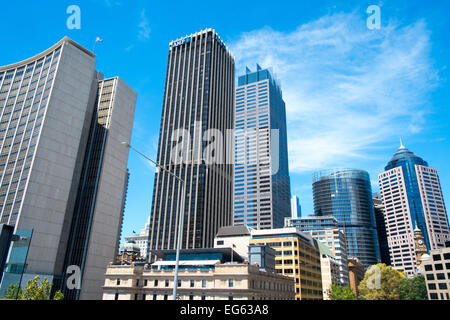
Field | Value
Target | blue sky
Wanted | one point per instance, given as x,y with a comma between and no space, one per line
350,92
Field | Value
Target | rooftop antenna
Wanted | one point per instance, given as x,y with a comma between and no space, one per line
97,39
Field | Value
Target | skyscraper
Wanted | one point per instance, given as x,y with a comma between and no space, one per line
381,229
63,169
296,209
198,99
346,194
261,177
412,196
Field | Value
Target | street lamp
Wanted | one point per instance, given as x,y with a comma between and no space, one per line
180,219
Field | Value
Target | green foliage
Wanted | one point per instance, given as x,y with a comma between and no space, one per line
413,289
34,290
341,293
13,291
381,282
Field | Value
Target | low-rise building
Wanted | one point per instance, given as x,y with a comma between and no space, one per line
326,230
236,237
297,256
437,273
204,274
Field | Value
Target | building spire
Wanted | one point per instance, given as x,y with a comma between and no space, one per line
401,144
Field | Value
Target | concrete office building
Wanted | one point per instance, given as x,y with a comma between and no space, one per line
325,229
437,273
296,209
198,98
346,194
298,256
261,176
141,239
63,169
412,195
204,274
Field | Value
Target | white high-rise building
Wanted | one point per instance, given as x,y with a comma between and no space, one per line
412,196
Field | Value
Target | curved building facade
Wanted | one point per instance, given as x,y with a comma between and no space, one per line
346,194
62,167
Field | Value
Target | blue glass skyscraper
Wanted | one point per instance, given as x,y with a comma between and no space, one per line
412,199
346,194
261,182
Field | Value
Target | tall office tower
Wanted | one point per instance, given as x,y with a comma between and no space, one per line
198,97
346,194
326,230
261,183
412,195
296,209
381,229
63,169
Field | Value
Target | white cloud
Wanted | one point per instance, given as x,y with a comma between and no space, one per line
347,89
144,29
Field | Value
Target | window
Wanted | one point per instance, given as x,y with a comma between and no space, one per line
116,296
118,282
203,283
219,242
230,283
436,257
156,283
192,283
165,297
191,297
167,283
137,282
145,282
155,296
144,296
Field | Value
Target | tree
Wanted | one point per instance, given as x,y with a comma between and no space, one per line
413,289
381,282
341,293
34,290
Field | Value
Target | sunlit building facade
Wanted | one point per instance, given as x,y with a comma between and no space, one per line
412,196
261,172
63,171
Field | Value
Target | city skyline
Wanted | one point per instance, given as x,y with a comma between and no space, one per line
431,141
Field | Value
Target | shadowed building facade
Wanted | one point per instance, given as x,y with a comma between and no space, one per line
198,98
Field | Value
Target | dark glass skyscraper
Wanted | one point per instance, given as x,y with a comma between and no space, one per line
198,97
347,195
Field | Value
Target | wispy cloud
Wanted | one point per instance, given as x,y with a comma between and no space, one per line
144,28
347,89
